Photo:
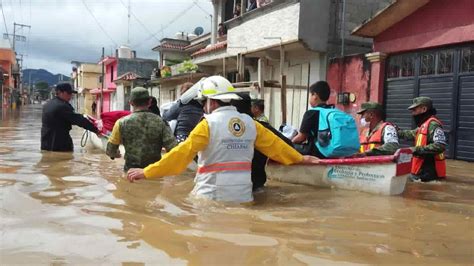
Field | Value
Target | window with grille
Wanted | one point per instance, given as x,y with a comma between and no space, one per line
467,59
445,62
408,65
394,66
427,64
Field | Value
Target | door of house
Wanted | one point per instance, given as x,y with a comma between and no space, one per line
447,76
106,102
126,97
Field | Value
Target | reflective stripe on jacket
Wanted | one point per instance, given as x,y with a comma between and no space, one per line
374,140
421,139
225,164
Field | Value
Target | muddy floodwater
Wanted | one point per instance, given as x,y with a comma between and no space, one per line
76,208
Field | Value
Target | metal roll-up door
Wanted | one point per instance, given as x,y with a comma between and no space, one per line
440,90
399,95
465,130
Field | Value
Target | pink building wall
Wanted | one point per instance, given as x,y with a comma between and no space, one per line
350,74
438,23
111,74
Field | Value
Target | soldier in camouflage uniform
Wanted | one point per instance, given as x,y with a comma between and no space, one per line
377,136
142,133
430,142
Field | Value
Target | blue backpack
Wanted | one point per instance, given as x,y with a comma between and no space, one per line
337,135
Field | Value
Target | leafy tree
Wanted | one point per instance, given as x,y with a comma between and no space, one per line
42,88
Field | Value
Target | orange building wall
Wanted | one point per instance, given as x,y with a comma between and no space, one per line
7,59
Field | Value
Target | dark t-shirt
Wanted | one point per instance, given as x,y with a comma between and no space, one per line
310,127
310,121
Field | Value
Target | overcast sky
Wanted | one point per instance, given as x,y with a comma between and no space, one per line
64,30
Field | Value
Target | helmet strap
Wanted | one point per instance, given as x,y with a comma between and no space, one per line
208,105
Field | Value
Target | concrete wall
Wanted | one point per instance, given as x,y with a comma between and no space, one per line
440,22
84,103
314,24
250,33
168,94
302,68
118,98
350,74
142,67
88,76
356,12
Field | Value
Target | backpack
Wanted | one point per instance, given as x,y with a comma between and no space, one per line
337,135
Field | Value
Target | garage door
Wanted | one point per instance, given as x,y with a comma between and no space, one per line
445,75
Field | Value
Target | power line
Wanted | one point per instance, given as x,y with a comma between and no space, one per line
98,23
5,22
139,21
202,9
173,20
21,12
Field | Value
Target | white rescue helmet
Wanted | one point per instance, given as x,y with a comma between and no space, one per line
217,88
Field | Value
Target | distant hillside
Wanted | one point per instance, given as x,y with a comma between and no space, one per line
35,75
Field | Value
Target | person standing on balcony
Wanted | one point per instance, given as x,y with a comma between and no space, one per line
237,10
222,31
57,120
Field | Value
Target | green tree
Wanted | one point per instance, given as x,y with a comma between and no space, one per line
43,89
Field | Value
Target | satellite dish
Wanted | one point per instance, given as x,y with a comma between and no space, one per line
198,31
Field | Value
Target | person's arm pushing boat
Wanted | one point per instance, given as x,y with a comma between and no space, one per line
175,162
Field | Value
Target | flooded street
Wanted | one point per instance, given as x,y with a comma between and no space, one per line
77,208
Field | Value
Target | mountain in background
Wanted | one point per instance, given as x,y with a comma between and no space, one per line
32,76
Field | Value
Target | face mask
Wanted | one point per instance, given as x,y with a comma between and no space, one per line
364,122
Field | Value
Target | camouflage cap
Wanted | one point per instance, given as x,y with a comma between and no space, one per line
370,106
139,93
426,101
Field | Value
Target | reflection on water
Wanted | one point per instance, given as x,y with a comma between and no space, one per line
77,208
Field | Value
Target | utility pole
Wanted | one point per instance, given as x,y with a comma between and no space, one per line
14,31
128,33
19,38
103,81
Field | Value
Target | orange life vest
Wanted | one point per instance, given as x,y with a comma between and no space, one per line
374,140
421,139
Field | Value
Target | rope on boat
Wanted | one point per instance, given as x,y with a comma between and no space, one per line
85,137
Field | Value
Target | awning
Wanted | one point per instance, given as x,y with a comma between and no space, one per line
388,17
